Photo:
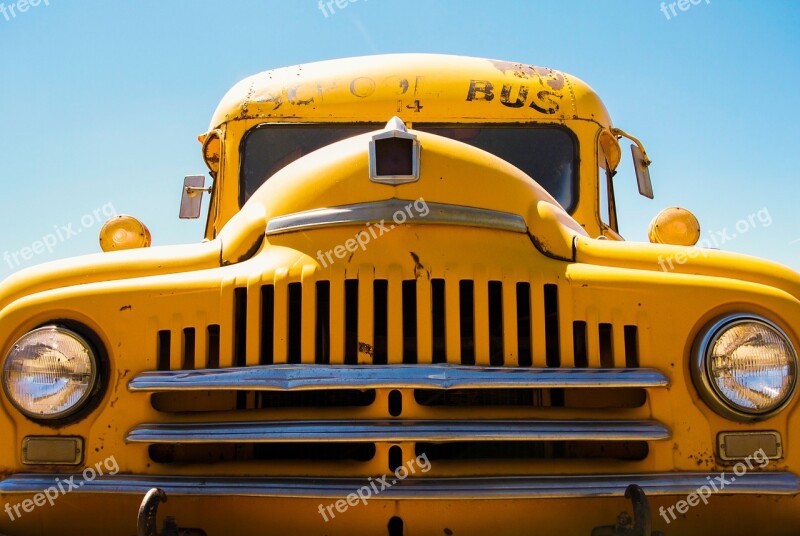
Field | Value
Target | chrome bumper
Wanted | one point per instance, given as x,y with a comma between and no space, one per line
499,488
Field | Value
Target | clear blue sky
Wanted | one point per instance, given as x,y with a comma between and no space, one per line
102,101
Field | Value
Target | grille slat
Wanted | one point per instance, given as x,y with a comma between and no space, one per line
410,316
424,315
618,338
481,313
337,318
176,359
496,350
438,320
308,316
452,321
267,324
509,333
394,341
281,285
366,318
253,323
201,342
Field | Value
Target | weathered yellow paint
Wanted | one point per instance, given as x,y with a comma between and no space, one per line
127,297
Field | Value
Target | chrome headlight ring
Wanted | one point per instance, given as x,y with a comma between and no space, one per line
51,373
744,367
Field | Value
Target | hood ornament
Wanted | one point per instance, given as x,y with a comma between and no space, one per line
394,154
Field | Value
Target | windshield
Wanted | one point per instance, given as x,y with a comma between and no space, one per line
547,154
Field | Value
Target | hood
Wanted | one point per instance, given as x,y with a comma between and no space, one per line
687,260
109,266
452,174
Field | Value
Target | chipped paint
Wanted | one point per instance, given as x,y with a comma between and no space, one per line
364,348
431,87
419,269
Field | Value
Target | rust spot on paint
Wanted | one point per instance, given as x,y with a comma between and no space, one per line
419,269
546,76
364,348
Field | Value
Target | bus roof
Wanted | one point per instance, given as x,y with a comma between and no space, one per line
415,87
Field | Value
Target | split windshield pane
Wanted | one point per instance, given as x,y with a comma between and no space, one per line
547,154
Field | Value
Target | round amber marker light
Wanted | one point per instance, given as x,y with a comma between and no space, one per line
676,226
124,232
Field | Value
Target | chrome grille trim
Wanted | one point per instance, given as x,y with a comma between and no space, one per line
477,488
343,431
308,377
364,213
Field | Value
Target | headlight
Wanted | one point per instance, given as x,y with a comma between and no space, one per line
50,373
745,367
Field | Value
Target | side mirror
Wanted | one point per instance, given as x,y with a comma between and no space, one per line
641,166
641,163
192,196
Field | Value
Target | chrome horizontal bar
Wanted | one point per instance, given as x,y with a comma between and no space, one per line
309,377
501,487
348,431
384,212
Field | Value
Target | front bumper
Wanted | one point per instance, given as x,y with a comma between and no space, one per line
507,487
762,503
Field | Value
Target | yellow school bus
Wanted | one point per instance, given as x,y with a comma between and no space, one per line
411,314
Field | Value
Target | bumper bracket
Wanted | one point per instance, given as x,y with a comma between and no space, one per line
639,525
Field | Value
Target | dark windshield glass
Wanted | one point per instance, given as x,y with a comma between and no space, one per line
269,148
547,154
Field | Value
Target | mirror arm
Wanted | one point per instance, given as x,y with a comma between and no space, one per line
192,191
192,196
641,163
622,134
